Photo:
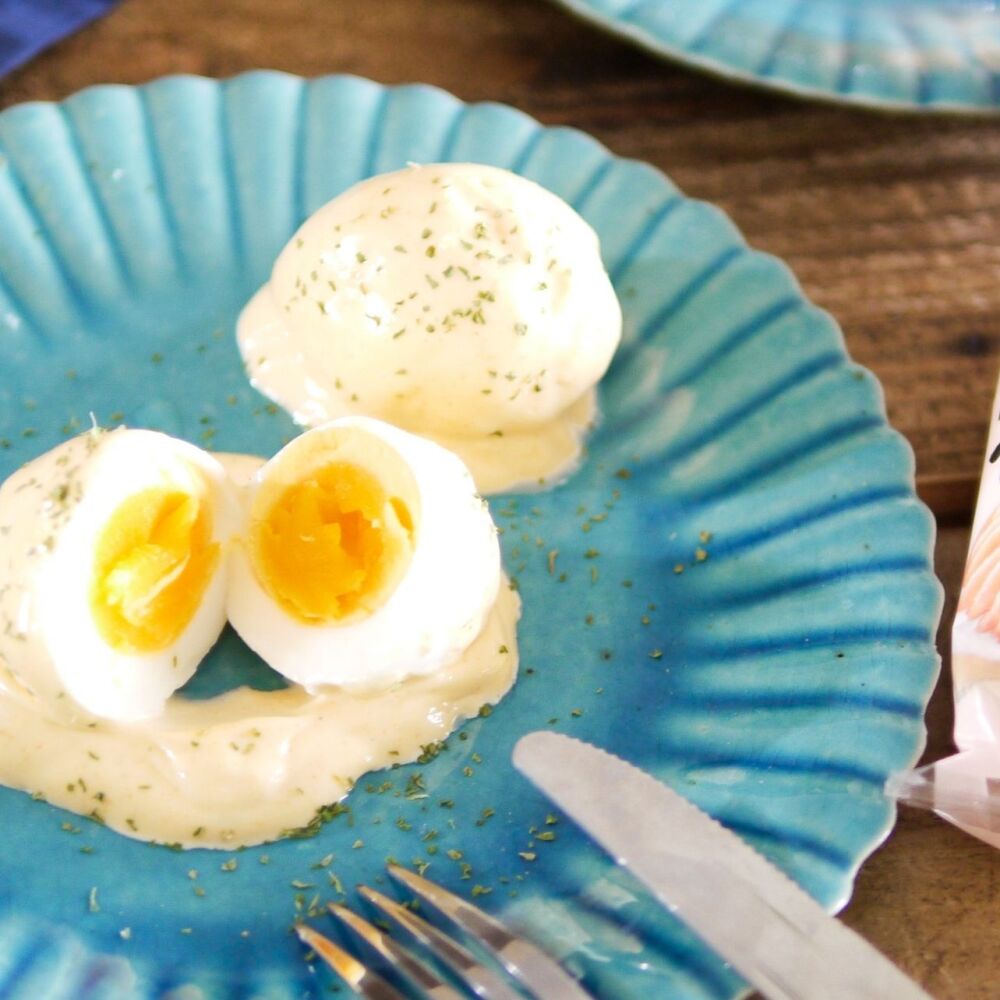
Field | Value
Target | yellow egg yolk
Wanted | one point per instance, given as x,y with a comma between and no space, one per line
332,544
152,563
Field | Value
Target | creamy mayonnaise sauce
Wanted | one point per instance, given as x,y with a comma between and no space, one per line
457,301
246,766
543,456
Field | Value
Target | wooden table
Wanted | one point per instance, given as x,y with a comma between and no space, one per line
890,222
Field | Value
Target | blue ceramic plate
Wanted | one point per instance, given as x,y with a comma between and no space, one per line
742,601
933,55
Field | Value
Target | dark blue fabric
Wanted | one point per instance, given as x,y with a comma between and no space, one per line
28,26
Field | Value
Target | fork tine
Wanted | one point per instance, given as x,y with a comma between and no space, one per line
396,955
484,982
362,980
525,961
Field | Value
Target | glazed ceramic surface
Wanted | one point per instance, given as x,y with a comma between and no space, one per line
933,55
734,591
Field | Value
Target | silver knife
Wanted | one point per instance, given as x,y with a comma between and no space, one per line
753,915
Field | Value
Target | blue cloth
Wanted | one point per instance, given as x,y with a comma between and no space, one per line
29,26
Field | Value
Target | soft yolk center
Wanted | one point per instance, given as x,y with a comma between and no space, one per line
333,543
152,563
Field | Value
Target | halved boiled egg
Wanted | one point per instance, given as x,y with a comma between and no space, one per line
113,552
367,556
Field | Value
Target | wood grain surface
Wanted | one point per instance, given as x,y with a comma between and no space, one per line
892,222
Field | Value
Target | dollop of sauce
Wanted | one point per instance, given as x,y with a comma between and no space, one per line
457,301
247,766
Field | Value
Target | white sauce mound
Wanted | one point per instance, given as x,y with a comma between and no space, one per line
247,766
458,301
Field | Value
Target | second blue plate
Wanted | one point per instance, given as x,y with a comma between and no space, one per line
933,55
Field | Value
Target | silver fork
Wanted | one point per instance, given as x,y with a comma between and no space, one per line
524,962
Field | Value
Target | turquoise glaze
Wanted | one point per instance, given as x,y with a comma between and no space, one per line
931,55
777,682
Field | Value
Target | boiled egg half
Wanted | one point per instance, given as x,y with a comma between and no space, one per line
367,556
113,560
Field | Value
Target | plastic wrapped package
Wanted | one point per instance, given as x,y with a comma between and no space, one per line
965,788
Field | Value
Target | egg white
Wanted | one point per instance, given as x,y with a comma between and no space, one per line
52,512
435,611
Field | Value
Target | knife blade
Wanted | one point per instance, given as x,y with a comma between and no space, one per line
747,910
